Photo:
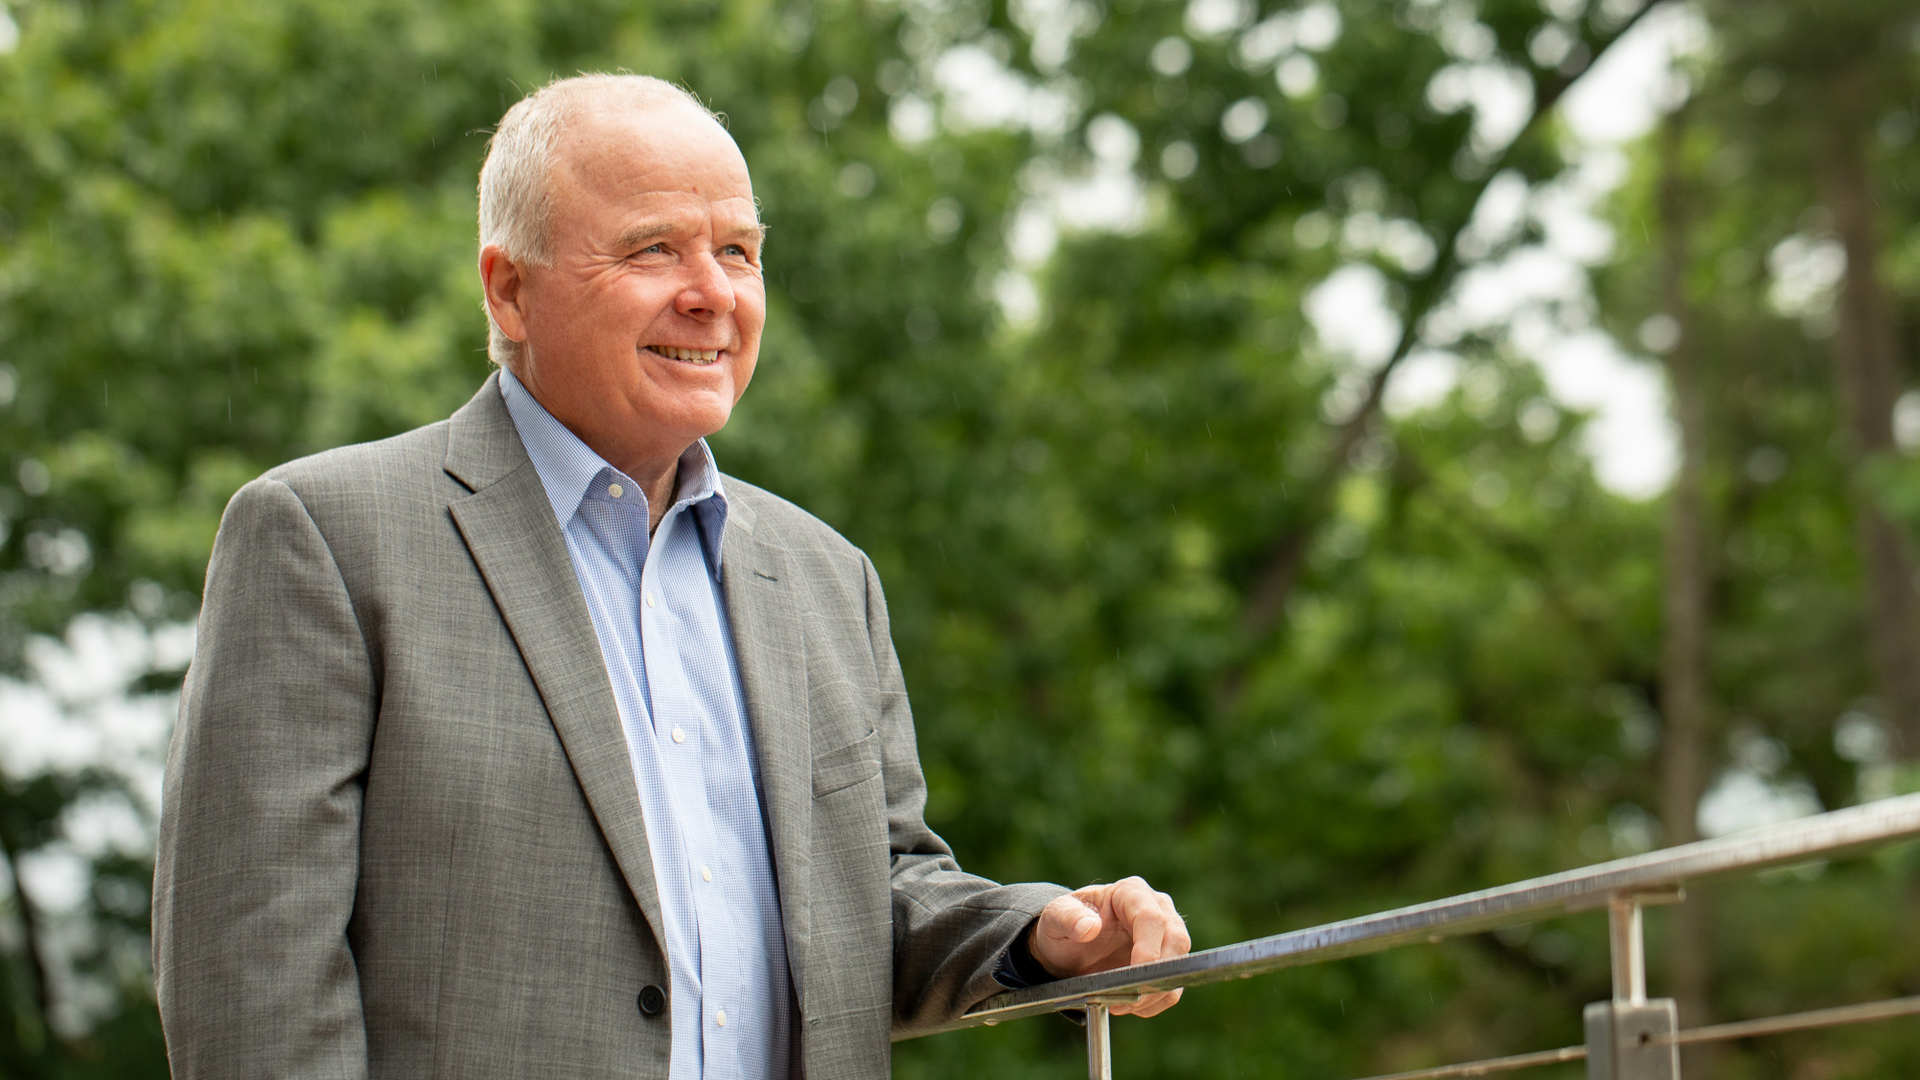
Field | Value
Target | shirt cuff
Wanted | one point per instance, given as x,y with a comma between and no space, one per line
1017,968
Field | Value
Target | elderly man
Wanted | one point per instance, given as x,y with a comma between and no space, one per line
527,744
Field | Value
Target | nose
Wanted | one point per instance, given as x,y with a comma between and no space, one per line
707,293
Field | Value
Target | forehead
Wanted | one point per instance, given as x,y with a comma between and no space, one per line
626,156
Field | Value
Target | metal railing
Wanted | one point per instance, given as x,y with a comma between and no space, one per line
1628,1037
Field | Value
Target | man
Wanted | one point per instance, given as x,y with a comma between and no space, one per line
526,744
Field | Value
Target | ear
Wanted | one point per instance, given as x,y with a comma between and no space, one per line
502,282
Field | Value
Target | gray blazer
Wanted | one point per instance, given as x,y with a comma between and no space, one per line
400,836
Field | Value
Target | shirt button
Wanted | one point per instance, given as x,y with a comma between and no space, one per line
679,735
650,599
615,490
706,874
720,1017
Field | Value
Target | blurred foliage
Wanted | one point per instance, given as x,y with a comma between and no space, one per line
230,235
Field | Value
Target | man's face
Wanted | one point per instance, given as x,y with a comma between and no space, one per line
643,332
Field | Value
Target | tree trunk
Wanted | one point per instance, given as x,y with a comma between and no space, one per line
1866,361
37,1032
1684,694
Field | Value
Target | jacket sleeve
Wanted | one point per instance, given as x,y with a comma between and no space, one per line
949,927
259,848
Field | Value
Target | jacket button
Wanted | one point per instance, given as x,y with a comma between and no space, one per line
652,1000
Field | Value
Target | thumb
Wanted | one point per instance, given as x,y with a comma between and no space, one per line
1075,921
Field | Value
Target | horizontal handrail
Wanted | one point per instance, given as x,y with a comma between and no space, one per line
1825,835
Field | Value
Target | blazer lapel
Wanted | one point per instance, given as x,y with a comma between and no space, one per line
768,644
508,525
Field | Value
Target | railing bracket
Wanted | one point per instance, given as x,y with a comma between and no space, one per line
1655,897
1632,1042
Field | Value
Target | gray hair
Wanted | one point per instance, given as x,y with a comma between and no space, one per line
516,181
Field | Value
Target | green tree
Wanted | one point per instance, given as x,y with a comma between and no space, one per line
1175,592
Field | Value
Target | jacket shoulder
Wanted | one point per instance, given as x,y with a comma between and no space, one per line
780,522
407,463
353,492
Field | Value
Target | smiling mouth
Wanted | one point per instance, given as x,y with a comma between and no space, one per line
696,357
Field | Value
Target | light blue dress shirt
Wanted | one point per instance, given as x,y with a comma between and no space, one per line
658,611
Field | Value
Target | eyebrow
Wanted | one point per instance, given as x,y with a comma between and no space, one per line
642,235
756,231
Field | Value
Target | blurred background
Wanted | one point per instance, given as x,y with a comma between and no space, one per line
1322,456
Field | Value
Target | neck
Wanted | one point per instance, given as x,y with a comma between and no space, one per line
657,472
658,482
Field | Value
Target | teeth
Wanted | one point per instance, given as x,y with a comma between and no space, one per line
691,356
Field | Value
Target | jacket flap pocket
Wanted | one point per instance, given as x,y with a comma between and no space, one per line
847,766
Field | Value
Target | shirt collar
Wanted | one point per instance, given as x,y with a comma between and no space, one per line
567,467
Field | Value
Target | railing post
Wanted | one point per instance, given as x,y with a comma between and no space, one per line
1099,1045
1628,945
1622,1033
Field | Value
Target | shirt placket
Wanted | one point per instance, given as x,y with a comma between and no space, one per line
681,730
617,525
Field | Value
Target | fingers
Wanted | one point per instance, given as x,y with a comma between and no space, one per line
1063,940
1107,926
1158,933
1151,1005
1157,930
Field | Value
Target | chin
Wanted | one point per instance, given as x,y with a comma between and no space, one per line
698,421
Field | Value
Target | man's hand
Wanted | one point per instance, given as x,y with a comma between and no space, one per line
1102,927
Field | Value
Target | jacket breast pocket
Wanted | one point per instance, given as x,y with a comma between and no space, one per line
837,770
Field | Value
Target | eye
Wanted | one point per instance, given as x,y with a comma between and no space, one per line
735,249
652,249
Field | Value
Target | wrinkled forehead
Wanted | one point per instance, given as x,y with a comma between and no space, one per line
623,148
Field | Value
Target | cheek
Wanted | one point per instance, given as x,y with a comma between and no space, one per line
751,315
743,373
751,312
624,304
576,316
